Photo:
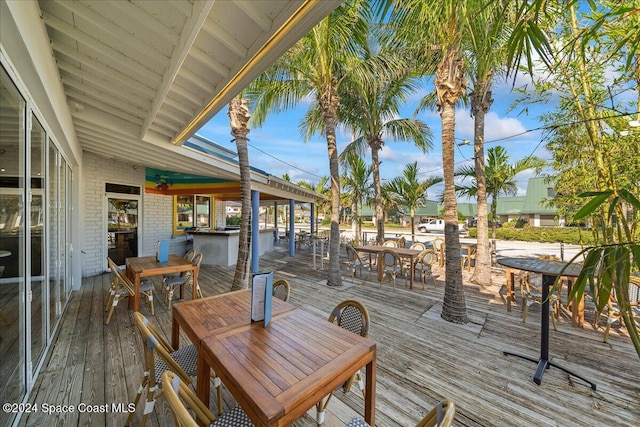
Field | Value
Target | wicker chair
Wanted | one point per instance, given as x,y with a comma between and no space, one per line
441,415
390,244
438,248
185,281
424,264
531,291
352,316
418,246
355,261
159,357
189,255
121,287
612,310
391,266
281,289
181,399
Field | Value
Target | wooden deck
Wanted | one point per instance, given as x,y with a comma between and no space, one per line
421,358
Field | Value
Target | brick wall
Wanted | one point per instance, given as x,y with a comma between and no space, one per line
155,212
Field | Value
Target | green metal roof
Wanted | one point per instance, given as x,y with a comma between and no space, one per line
510,205
468,209
539,192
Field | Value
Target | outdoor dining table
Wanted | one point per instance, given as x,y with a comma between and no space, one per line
410,254
146,266
549,269
277,373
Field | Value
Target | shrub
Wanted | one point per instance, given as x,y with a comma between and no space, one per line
234,220
569,235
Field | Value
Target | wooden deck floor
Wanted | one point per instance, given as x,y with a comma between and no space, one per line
421,358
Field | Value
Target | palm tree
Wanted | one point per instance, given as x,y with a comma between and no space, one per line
371,111
314,69
323,188
238,117
410,192
439,42
356,181
500,180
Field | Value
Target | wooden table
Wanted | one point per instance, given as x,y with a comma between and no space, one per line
277,373
549,269
146,266
410,254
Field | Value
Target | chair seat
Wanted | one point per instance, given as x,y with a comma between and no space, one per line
233,418
357,422
186,357
175,281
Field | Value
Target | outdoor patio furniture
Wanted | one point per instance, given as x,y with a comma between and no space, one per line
182,361
423,265
468,256
402,242
354,317
391,266
189,255
441,415
438,247
181,400
612,311
121,287
531,292
418,246
184,281
281,289
390,244
355,261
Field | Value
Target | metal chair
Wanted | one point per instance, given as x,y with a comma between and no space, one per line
391,266
531,291
189,255
352,316
121,287
441,415
356,261
418,246
438,247
281,289
185,281
181,400
159,357
390,244
424,264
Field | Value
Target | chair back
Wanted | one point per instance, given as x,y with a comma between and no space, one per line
402,242
418,246
437,243
281,289
121,278
189,255
155,344
441,415
352,316
427,257
390,244
352,255
180,397
389,258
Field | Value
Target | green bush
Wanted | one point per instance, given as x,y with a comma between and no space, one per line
569,235
234,220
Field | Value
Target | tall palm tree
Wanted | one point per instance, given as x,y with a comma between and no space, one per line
238,118
371,111
440,42
314,69
410,192
500,176
358,186
323,188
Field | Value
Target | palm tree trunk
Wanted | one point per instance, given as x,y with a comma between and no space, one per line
450,85
238,116
481,100
375,169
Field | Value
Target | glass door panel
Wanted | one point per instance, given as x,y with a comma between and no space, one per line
122,229
12,244
38,268
52,226
62,234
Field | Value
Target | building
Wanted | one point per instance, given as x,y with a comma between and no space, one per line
100,103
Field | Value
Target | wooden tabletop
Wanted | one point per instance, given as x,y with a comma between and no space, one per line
278,373
542,266
402,252
146,266
200,318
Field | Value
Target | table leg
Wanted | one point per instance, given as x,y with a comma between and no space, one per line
411,265
543,361
195,284
510,288
370,393
134,303
203,380
175,334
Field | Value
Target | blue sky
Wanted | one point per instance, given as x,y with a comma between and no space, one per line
286,152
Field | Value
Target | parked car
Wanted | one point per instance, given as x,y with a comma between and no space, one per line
472,223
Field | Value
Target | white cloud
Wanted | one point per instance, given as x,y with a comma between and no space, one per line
495,127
